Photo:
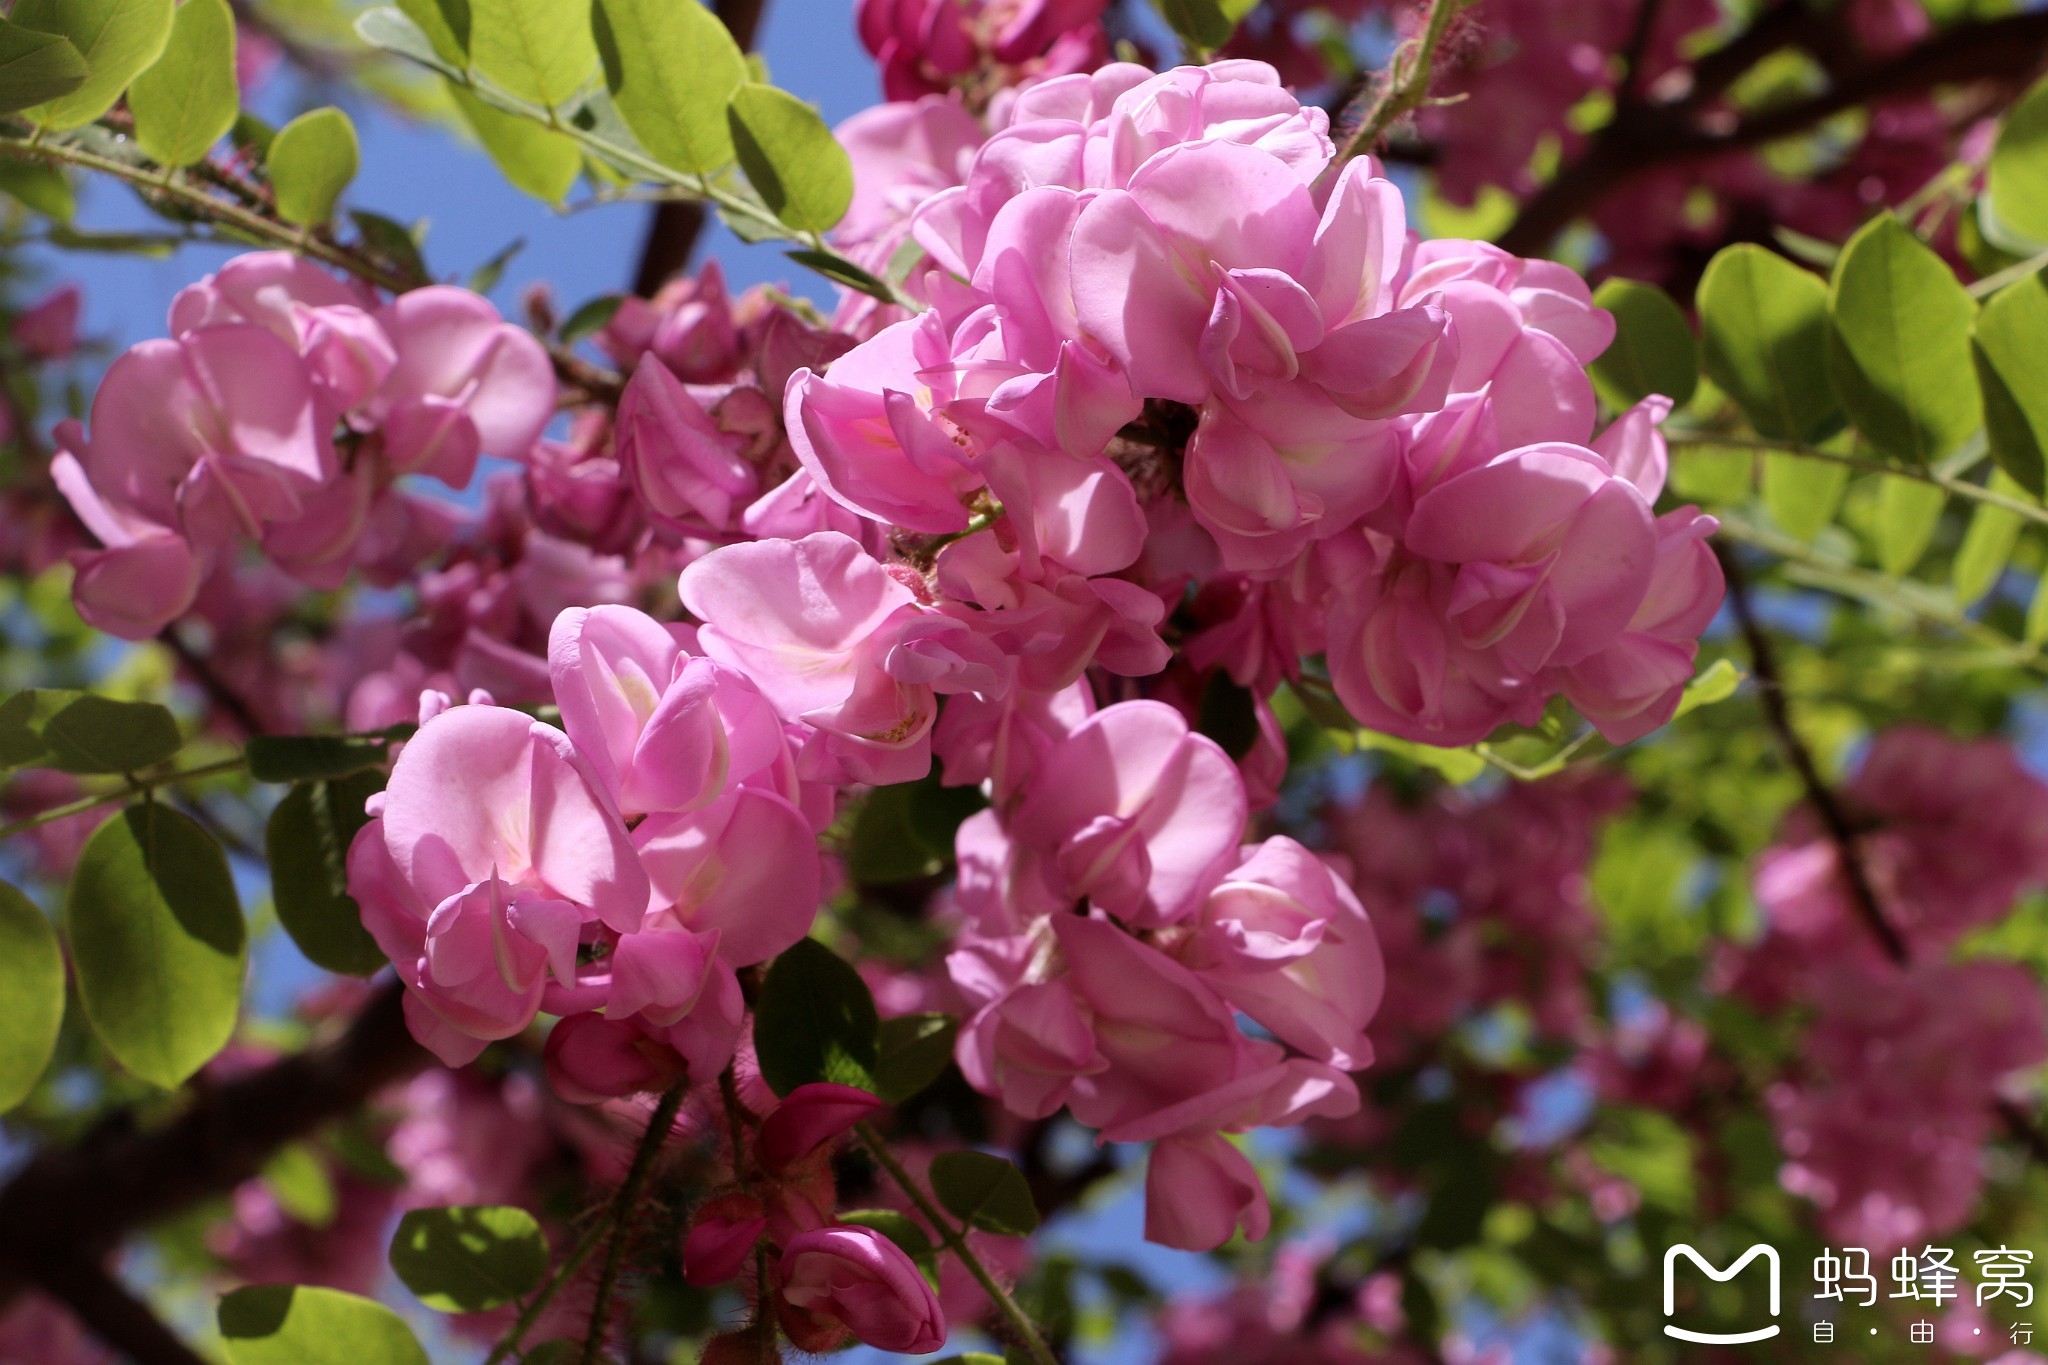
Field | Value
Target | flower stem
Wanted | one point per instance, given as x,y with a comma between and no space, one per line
585,1246
658,1124
135,786
1406,84
955,1240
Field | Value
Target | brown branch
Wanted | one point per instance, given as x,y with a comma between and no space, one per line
673,228
1652,136
74,1205
113,1313
1841,830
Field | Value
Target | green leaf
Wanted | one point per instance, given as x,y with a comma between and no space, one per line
1457,766
80,732
839,270
541,51
1703,473
469,1258
312,159
1201,24
537,160
1716,683
899,1228
672,68
485,277
298,1181
1987,545
590,318
46,189
2036,629
187,100
1907,513
2017,181
1653,350
985,1191
31,995
1763,335
35,67
445,24
392,240
1899,345
296,1324
1802,495
401,32
2008,344
914,1051
815,1021
308,758
117,39
157,941
307,843
791,158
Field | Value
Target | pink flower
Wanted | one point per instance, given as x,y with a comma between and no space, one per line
639,710
923,46
1284,940
854,1280
721,1239
591,1059
808,1118
688,326
687,474
491,852
1199,1191
48,328
464,382
1131,812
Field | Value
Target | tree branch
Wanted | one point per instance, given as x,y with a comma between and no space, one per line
1834,818
1652,136
114,1314
673,228
74,1205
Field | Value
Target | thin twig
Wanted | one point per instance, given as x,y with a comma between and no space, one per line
658,1126
135,786
571,1265
1406,85
955,1240
1962,488
1841,830
211,683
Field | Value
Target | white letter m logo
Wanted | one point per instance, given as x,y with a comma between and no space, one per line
1770,1255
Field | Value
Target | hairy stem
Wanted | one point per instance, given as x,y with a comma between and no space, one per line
1406,84
658,1124
581,1252
954,1239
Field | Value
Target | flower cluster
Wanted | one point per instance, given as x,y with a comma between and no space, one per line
280,412
976,46
1127,1011
1904,1061
501,877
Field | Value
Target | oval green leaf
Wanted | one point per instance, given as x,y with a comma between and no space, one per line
312,159
1802,495
307,843
984,1191
2016,182
187,100
117,39
296,1324
1653,350
815,1021
31,995
1899,344
537,160
915,1049
672,69
157,940
81,732
1987,546
1908,511
35,67
1763,336
541,51
470,1258
2007,345
791,158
